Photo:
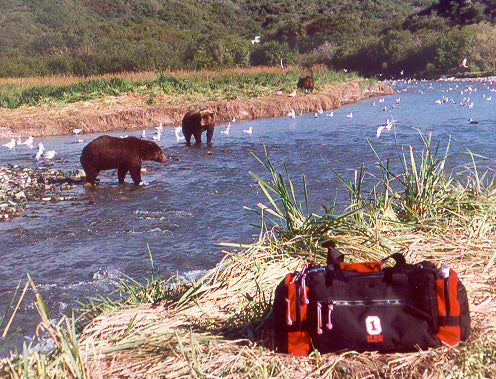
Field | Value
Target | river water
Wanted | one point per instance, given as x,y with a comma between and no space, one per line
79,248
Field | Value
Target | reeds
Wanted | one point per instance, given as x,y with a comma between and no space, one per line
221,326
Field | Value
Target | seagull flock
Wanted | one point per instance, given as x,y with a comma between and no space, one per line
467,95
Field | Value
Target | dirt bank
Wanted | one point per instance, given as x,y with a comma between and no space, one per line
132,112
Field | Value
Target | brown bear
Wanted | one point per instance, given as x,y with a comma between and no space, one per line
123,154
307,83
195,123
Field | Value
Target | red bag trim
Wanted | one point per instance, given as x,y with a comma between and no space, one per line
447,307
299,343
362,267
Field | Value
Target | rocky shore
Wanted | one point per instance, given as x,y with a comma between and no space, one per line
19,186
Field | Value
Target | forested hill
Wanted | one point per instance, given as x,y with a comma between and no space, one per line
383,37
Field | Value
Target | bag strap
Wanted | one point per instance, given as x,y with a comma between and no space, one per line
334,257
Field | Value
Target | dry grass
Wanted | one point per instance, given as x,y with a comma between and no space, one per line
218,331
207,335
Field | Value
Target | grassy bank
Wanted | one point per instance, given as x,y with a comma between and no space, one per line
162,88
220,326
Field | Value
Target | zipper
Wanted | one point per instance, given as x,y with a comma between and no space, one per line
328,306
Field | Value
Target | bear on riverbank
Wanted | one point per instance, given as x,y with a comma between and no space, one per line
307,83
123,154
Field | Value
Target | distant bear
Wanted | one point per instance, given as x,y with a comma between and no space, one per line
306,83
123,154
195,123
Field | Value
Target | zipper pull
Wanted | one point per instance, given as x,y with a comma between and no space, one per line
319,318
288,313
304,287
330,308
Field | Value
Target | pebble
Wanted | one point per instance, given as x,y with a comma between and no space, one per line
19,186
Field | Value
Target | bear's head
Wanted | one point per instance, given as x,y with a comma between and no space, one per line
151,151
207,118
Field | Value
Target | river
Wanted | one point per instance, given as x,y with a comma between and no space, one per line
79,248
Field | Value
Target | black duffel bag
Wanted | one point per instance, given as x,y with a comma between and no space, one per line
368,307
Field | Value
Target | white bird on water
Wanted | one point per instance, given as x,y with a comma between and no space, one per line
248,131
143,134
29,142
349,115
330,114
292,113
157,136
159,128
77,131
177,130
10,145
227,129
40,151
50,154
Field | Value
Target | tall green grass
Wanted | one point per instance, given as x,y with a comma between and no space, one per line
419,193
205,85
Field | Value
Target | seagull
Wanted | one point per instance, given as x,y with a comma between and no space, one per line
293,94
464,63
388,125
77,131
473,121
10,145
330,114
50,154
143,134
248,131
350,115
159,128
379,130
292,113
19,142
255,40
157,136
176,133
279,93
226,131
29,142
79,140
41,149
316,115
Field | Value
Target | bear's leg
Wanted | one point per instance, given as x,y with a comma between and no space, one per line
121,174
198,137
136,174
210,134
91,176
187,136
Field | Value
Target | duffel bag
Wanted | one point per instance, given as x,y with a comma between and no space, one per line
368,307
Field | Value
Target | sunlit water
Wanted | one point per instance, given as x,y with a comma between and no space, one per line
79,248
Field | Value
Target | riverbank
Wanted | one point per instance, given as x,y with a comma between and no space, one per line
132,112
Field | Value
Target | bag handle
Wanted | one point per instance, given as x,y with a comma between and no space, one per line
399,259
335,257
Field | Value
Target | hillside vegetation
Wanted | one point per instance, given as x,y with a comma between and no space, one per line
384,37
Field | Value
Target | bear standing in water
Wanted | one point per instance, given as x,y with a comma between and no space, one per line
123,154
195,123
